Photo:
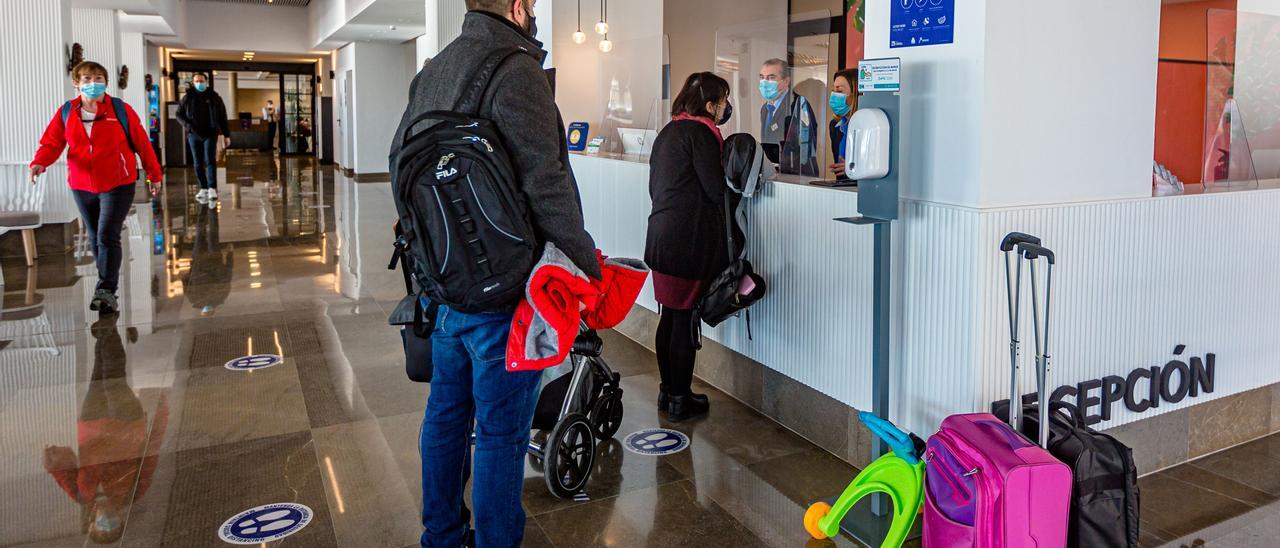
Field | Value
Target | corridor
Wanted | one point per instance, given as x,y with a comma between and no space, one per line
139,408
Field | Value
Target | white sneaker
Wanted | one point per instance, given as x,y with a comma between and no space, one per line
202,196
212,196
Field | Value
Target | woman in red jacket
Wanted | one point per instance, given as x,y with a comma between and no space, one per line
103,170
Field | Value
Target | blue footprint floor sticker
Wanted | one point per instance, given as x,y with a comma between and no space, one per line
265,523
656,442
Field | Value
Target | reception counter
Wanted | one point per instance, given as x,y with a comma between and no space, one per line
1141,283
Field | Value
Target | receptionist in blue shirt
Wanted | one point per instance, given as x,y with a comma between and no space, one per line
843,101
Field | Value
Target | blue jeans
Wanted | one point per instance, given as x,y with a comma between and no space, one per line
471,382
103,215
204,153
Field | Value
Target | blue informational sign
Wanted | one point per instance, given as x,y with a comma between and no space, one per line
577,138
266,523
656,442
921,23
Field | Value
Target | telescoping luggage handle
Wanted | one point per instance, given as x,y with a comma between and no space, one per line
1032,252
1013,287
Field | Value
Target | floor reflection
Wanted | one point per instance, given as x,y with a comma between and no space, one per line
129,430
118,443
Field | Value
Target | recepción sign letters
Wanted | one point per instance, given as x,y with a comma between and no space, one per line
1142,389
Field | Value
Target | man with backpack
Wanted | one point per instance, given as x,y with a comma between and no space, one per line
482,183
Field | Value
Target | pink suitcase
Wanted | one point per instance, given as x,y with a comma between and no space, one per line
985,484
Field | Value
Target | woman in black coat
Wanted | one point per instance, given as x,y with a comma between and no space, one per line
687,245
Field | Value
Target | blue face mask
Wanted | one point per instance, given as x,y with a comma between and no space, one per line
769,90
201,86
94,90
839,104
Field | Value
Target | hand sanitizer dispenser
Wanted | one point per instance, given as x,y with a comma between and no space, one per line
866,154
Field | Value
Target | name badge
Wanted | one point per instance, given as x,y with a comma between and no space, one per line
774,128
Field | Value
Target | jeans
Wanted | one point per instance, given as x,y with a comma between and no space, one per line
103,215
471,382
204,152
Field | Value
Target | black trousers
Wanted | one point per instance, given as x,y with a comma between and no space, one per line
676,350
104,215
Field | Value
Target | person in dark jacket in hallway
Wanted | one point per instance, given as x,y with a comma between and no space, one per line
204,115
468,350
686,246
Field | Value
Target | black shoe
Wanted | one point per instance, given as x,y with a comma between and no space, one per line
96,303
664,399
686,407
109,303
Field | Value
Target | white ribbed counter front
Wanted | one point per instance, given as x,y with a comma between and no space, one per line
1136,277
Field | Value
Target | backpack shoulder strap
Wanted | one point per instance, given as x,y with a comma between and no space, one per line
122,115
65,112
474,95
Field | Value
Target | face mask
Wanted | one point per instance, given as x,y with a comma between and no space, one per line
94,90
724,116
201,87
839,104
533,23
769,90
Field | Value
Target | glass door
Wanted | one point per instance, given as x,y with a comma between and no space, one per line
298,119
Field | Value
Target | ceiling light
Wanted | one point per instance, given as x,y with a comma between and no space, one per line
579,36
602,26
605,45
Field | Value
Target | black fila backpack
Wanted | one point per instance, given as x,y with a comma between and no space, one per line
466,231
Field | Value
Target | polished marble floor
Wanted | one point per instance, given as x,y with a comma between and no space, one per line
137,410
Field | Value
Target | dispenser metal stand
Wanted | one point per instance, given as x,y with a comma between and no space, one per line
869,520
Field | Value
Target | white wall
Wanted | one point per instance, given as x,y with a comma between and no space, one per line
247,27
423,48
34,36
1016,113
133,54
380,93
1069,109
616,89
942,106
99,32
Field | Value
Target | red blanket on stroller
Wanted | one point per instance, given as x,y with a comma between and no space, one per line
559,297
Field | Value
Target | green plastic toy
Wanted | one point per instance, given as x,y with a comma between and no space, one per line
899,474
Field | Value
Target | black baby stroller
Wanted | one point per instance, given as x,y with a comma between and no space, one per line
574,411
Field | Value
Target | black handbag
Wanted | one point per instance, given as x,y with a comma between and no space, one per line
725,298
416,317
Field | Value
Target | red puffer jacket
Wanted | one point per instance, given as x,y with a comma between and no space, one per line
559,297
103,161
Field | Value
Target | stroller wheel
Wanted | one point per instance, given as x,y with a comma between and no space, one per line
606,415
570,453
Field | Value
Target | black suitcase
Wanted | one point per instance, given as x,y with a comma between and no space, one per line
1104,497
1104,494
